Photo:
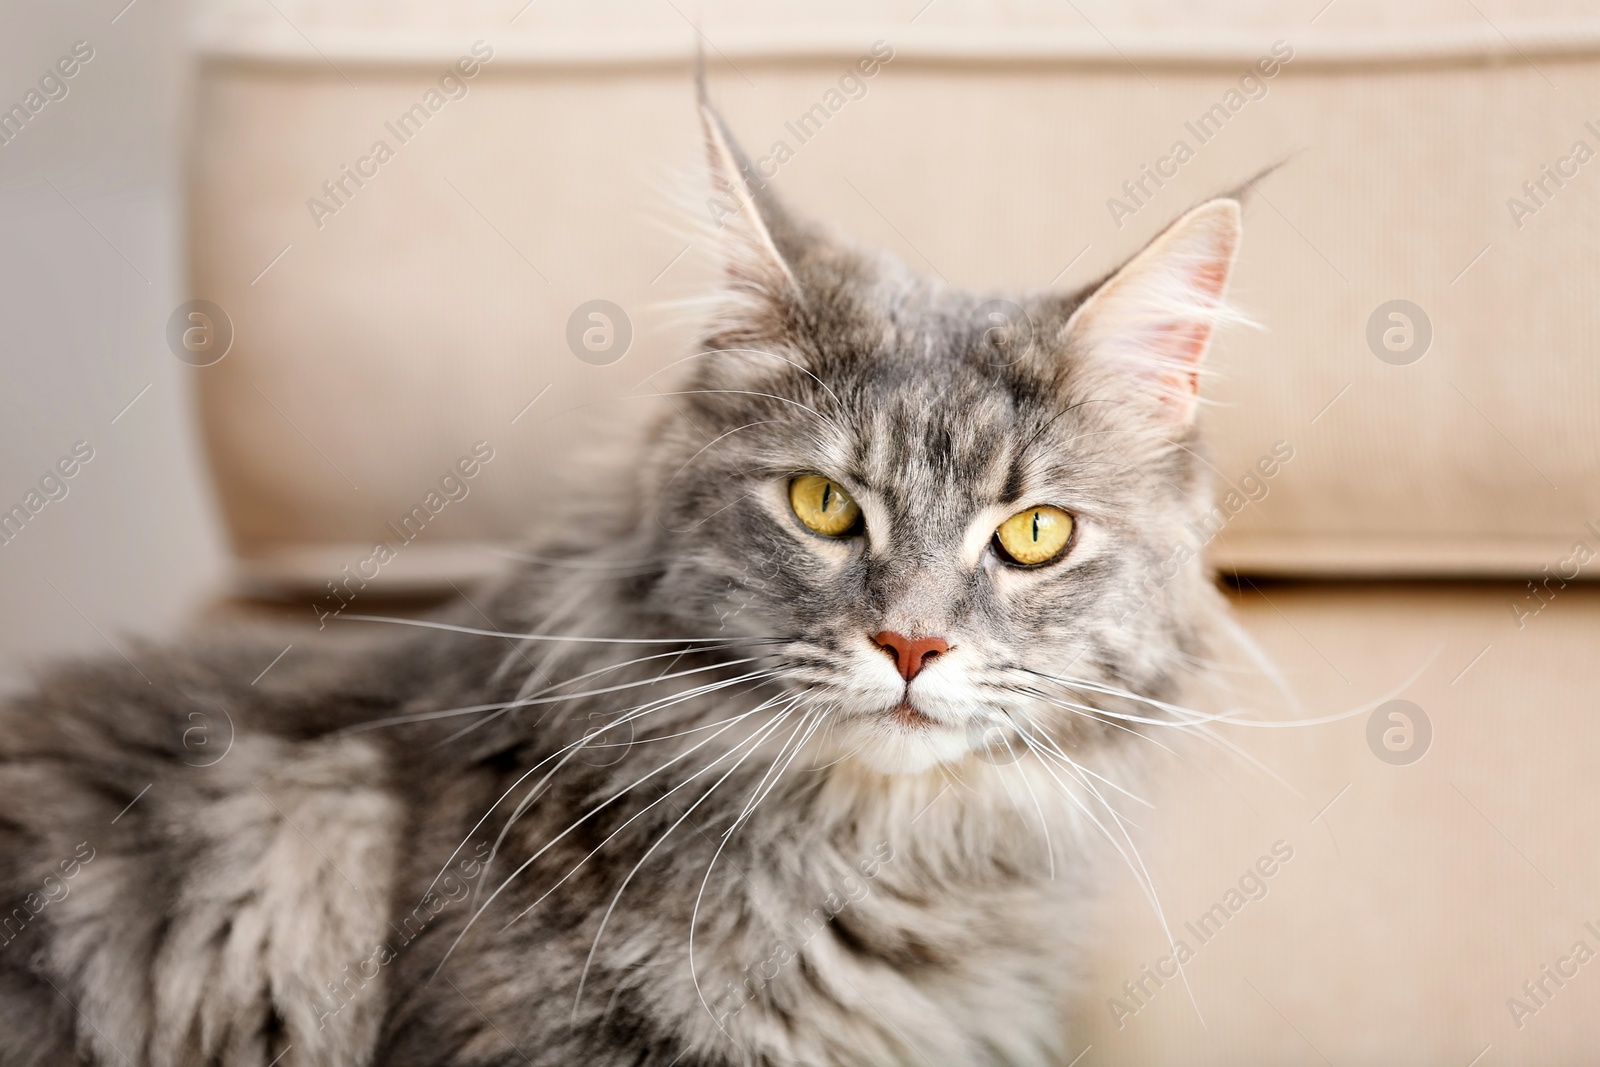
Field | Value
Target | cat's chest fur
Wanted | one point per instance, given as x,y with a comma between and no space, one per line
826,930
910,969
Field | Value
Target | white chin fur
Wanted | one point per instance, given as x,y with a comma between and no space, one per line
892,748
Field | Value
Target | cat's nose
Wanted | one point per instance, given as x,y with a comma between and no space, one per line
910,654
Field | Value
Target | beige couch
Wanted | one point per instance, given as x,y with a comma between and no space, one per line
1432,538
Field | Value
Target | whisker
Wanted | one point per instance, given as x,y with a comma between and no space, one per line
650,707
1197,721
580,821
606,918
833,724
1193,716
1044,827
1135,864
533,700
670,482
1107,713
694,915
754,351
1055,747
638,815
477,631
1071,796
566,751
776,771
507,705
1198,729
629,565
1095,715
745,392
1057,756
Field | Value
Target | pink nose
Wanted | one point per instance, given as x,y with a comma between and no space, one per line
911,654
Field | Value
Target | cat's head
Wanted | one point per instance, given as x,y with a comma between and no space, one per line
942,502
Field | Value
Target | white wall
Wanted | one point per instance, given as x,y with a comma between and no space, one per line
85,291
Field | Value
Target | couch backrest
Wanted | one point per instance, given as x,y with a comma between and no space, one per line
1423,264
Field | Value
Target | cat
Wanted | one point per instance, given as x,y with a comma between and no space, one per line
794,750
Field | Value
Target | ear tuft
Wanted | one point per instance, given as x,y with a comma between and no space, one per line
1152,322
739,207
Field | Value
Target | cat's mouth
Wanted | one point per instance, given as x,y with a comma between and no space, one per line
908,714
907,736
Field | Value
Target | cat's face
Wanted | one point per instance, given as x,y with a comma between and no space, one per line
941,513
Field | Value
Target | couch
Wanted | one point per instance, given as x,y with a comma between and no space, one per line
1421,268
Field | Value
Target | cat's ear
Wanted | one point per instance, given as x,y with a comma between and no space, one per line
744,214
1151,323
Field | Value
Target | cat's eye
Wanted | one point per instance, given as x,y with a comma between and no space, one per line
823,506
1037,535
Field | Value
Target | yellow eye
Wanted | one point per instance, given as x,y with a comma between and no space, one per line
1035,536
822,505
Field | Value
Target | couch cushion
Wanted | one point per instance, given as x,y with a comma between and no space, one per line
1420,896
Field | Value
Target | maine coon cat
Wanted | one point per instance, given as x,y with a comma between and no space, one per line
790,753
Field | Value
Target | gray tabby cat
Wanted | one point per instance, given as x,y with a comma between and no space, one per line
783,757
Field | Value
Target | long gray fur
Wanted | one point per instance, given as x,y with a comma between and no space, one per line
347,877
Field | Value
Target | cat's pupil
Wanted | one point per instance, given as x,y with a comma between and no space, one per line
1036,526
827,495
